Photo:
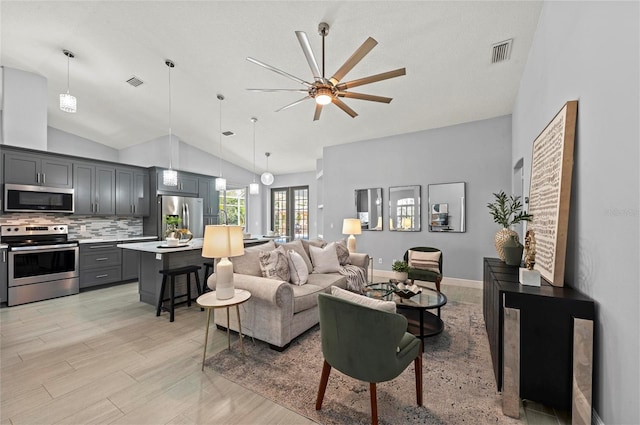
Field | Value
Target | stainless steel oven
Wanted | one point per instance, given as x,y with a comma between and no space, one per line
42,263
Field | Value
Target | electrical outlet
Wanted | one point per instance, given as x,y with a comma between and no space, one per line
379,260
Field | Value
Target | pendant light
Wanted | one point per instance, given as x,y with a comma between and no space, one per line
221,182
68,102
267,178
254,188
170,176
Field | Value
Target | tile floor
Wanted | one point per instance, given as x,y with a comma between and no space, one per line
103,357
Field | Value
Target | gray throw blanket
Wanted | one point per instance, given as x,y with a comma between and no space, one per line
356,280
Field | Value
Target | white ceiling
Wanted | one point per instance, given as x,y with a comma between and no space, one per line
445,47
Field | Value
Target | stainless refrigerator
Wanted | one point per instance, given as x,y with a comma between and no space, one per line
190,211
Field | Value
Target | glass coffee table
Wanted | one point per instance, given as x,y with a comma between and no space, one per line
421,322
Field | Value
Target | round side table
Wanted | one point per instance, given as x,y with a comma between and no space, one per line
210,302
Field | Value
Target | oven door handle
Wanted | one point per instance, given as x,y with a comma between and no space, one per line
57,247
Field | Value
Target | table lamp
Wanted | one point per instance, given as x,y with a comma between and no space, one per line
222,241
351,226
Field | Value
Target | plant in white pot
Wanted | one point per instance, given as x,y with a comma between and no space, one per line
400,271
506,211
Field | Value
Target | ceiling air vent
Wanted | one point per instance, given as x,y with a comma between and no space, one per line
228,133
135,81
501,51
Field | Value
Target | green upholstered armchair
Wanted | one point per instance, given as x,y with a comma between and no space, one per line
425,275
367,344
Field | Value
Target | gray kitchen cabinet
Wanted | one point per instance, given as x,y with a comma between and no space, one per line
94,189
187,184
130,264
100,263
132,192
37,170
210,196
4,276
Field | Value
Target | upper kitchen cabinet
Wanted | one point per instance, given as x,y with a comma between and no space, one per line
94,189
38,170
209,195
132,192
187,184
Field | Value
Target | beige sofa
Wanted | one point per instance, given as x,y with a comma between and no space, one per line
278,311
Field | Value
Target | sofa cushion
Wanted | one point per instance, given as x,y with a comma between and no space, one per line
274,264
388,306
298,272
325,260
315,242
249,262
306,296
299,248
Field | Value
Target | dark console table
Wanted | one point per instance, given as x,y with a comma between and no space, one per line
531,334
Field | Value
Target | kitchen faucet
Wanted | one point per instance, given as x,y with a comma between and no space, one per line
226,218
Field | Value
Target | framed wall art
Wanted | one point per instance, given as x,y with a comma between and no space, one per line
550,192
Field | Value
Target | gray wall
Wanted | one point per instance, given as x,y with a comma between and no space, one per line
69,144
590,51
478,153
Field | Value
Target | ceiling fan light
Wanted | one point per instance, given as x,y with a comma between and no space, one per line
254,189
323,96
267,178
68,103
221,183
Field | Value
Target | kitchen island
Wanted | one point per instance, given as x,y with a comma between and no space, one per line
156,256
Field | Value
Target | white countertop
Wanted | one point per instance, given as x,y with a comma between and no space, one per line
154,246
134,238
3,246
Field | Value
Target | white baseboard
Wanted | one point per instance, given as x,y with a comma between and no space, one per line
465,283
595,419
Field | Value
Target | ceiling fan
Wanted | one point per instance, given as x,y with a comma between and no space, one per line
329,90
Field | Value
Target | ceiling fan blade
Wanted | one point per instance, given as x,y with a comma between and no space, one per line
340,104
316,114
278,71
293,104
308,53
362,96
276,90
372,79
356,57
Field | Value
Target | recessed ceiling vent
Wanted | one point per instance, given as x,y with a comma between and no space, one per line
135,81
228,133
501,52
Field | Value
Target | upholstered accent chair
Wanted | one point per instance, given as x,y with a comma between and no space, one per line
367,344
422,264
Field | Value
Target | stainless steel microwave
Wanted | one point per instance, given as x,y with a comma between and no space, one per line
26,198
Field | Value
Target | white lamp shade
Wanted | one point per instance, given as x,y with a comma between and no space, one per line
68,103
351,226
170,178
221,183
222,241
267,178
254,189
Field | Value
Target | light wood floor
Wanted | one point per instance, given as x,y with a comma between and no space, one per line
103,357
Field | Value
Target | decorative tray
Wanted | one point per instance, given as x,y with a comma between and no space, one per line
406,291
182,245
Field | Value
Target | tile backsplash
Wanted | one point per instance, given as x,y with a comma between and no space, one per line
95,227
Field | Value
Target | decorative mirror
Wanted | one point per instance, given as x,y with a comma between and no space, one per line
447,207
369,208
404,208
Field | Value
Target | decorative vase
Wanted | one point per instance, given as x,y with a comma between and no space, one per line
512,250
501,237
400,276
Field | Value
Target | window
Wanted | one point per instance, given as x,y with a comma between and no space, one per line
234,203
405,211
290,211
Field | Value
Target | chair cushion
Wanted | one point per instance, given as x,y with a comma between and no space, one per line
425,260
388,306
249,262
325,260
298,272
274,264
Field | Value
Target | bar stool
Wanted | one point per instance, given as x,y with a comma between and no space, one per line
186,270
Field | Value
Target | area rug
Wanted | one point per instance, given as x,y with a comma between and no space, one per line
459,386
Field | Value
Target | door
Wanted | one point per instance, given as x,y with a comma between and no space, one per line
290,211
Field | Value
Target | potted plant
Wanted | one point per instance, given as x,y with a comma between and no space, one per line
173,222
401,270
506,211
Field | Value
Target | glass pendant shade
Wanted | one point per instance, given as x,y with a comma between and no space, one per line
68,103
170,178
221,183
267,178
254,189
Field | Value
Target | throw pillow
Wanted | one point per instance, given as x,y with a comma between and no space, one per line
425,260
343,252
325,260
388,306
249,262
297,268
299,248
274,264
315,242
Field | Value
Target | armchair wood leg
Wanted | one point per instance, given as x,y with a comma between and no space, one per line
417,364
374,403
324,379
438,279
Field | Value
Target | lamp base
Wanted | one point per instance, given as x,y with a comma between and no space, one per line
224,280
351,243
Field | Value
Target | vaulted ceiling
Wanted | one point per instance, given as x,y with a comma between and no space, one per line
446,48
